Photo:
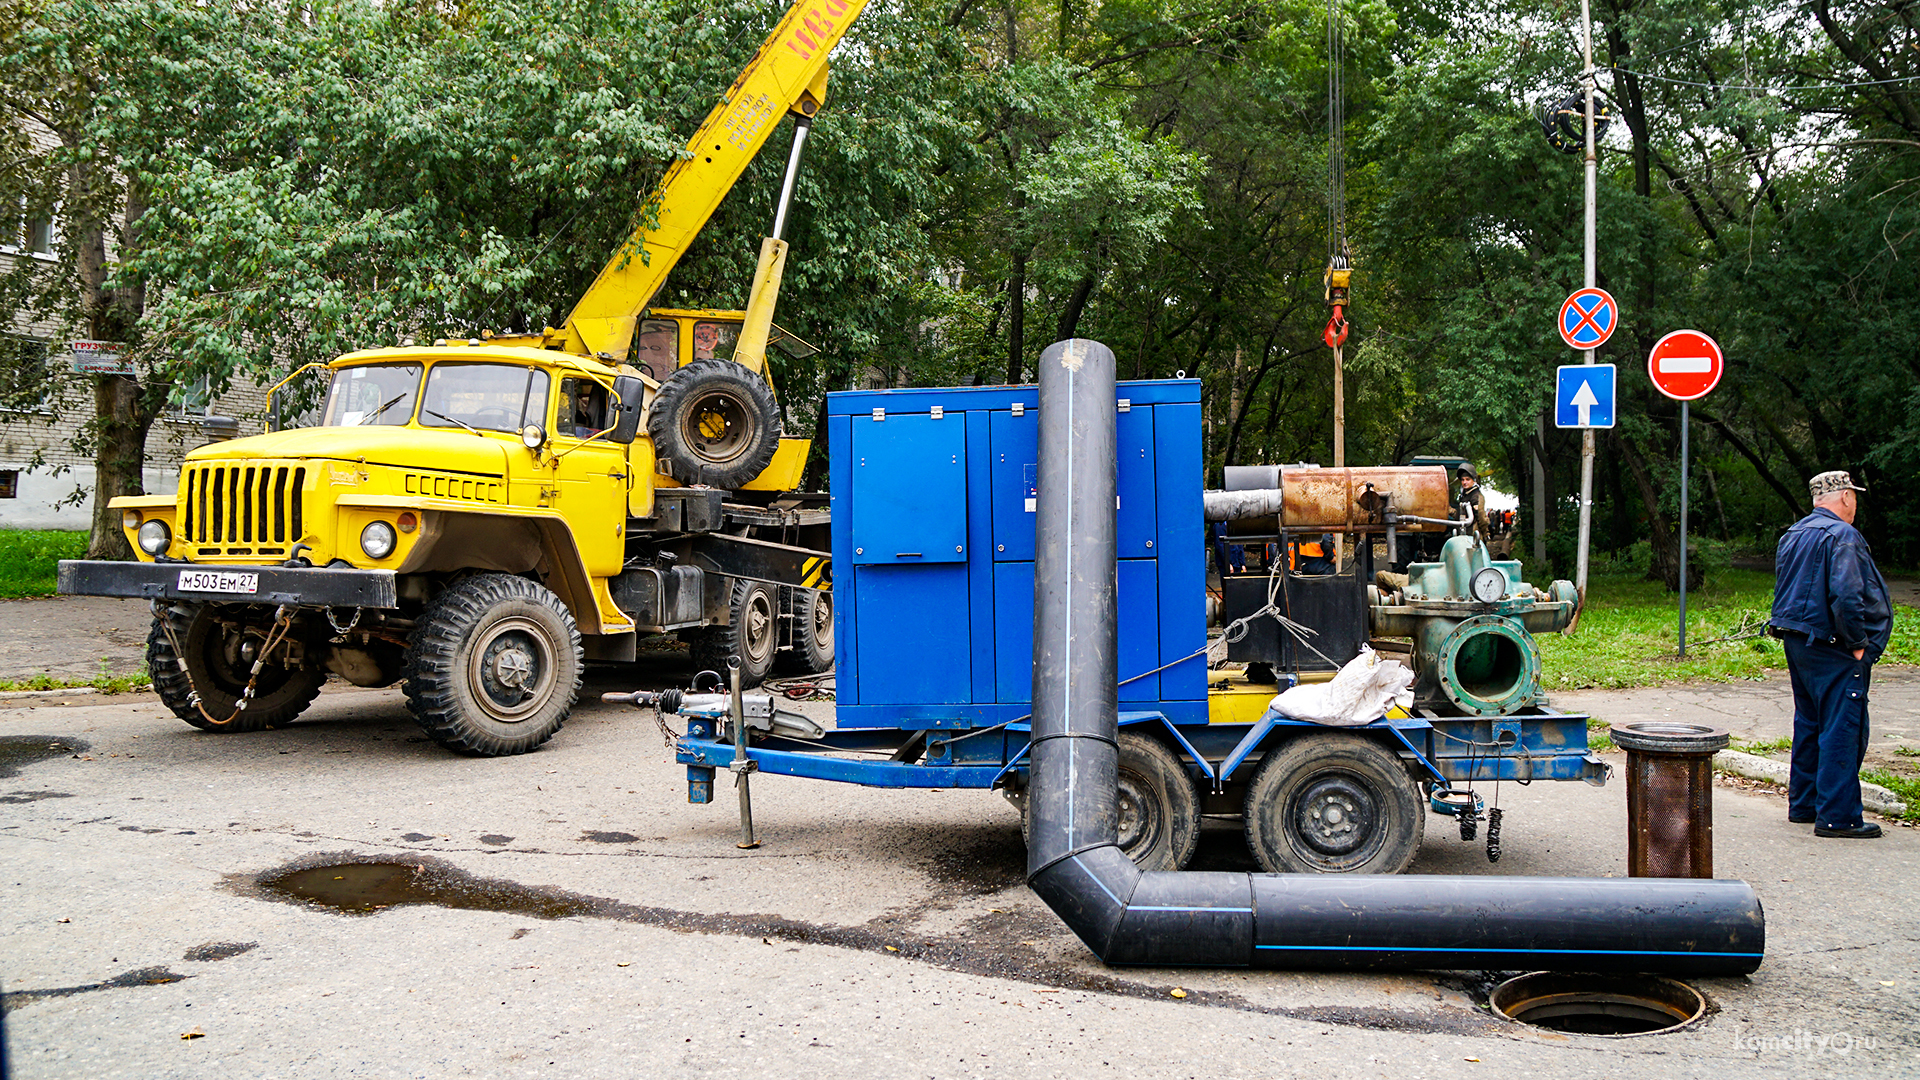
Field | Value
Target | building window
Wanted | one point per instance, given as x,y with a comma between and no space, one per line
191,399
30,233
27,381
9,483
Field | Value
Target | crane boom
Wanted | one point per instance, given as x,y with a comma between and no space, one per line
787,74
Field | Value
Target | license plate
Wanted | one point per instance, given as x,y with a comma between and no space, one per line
220,581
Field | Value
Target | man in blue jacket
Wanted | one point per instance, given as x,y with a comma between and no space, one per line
1831,610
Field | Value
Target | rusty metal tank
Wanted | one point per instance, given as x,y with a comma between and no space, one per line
1335,500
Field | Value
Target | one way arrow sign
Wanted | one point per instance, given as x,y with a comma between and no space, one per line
1583,396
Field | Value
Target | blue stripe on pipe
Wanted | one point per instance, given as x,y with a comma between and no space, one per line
1097,881
1481,949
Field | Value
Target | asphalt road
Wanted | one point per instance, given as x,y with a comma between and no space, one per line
566,913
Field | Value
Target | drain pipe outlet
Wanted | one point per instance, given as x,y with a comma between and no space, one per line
1124,916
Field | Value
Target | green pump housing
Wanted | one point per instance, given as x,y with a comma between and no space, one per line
1472,619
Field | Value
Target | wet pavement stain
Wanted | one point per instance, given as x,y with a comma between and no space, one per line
363,888
997,944
219,950
609,837
146,976
19,751
14,798
496,839
414,837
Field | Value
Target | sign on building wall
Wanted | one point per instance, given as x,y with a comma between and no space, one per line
100,358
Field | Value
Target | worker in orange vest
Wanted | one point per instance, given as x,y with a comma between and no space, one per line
1311,557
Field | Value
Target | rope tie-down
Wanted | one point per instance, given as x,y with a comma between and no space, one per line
1127,916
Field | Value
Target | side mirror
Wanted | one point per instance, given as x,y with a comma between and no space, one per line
628,394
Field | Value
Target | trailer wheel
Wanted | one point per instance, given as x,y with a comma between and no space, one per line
493,666
812,640
1159,811
1333,803
218,666
716,423
753,635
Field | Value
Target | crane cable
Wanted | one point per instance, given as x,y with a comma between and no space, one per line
1339,256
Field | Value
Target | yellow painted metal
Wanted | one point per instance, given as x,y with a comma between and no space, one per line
784,471
787,74
1240,702
751,352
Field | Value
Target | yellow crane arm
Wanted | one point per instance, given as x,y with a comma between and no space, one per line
788,74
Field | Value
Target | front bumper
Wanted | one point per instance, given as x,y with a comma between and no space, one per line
315,586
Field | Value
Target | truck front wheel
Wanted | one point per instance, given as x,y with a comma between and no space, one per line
493,666
219,663
1333,803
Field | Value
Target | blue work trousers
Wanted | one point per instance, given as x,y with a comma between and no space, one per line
1829,731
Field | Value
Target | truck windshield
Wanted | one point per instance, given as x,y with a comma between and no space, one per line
490,397
372,394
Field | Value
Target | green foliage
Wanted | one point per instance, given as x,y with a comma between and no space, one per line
29,558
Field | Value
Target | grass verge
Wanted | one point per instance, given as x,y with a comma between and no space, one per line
28,558
1628,634
106,684
1906,787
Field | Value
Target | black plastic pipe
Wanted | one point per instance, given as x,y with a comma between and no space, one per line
1125,916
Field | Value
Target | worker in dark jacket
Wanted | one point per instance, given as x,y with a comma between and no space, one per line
1831,610
1473,498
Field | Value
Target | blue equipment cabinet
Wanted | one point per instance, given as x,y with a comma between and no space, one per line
933,504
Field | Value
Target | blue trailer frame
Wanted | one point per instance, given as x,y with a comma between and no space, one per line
933,595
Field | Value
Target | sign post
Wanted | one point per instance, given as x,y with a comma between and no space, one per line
1685,365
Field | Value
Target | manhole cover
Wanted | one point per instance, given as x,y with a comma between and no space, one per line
1598,1004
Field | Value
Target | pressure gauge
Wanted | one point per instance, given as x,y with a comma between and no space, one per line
1489,584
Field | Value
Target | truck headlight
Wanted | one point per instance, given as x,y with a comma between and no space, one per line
377,540
129,519
154,537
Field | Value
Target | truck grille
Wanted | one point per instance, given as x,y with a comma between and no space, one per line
246,505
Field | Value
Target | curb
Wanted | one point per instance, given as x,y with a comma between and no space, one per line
1876,798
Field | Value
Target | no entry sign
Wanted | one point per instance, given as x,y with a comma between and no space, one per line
1685,365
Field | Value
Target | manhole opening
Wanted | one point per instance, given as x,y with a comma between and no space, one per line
1598,1004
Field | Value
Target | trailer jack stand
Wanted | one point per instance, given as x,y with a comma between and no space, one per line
742,767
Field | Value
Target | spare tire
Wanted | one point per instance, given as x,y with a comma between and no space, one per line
714,423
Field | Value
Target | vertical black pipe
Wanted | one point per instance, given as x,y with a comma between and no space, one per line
1075,864
1075,654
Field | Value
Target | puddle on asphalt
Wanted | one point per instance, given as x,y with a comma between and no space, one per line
15,798
364,888
19,751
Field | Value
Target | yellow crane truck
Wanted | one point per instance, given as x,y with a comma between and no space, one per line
477,518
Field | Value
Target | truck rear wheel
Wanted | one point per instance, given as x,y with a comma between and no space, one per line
1333,803
715,423
493,666
753,635
218,665
812,634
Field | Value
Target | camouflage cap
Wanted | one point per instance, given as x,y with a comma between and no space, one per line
1827,483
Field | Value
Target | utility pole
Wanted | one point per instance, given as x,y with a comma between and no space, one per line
1593,171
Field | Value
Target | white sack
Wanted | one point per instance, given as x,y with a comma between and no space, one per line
1359,693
